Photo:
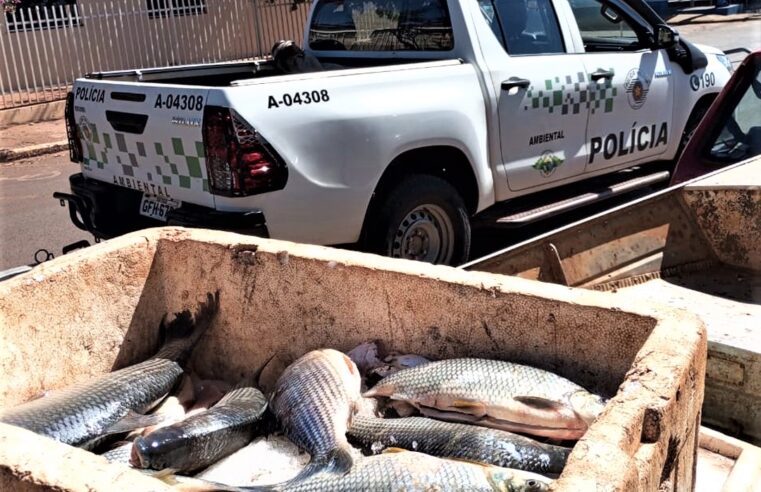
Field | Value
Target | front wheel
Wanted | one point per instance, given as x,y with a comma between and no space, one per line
423,218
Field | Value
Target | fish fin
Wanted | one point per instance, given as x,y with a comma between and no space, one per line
189,484
539,403
258,374
168,473
448,416
394,450
472,407
380,389
185,329
134,420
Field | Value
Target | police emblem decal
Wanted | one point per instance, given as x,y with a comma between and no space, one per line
637,86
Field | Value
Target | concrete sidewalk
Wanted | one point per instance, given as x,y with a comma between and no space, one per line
32,139
686,18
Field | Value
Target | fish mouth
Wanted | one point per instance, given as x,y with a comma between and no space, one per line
135,458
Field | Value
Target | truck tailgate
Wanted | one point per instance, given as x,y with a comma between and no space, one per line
146,137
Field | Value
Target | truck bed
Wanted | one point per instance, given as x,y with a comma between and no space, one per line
726,299
694,247
227,73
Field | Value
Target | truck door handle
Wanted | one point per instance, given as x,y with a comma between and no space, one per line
602,74
515,82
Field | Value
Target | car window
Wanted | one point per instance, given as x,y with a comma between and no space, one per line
530,27
740,138
386,25
490,14
604,28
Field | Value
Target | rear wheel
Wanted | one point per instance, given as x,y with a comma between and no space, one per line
423,218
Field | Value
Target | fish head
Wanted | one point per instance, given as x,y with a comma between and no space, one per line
587,405
160,450
345,368
506,480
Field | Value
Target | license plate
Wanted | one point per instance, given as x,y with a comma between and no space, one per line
156,207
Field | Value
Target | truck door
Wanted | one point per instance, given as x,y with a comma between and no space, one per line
542,116
630,116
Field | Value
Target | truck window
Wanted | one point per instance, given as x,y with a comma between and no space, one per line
390,25
740,137
530,27
600,31
490,14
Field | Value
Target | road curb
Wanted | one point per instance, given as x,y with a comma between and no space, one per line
10,155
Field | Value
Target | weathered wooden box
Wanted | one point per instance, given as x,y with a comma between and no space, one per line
99,309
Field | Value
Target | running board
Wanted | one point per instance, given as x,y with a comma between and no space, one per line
552,209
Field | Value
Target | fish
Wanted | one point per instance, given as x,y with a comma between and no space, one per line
460,441
204,438
173,409
397,470
365,356
497,394
314,401
372,365
395,362
82,414
408,470
120,454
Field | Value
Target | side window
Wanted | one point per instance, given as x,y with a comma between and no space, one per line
490,14
530,27
390,25
603,28
740,138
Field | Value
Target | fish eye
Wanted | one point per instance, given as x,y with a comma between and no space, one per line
533,485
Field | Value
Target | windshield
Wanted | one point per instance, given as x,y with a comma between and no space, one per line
383,25
740,137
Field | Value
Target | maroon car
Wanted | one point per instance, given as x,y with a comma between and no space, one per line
731,129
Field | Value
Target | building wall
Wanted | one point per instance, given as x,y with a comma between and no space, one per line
120,34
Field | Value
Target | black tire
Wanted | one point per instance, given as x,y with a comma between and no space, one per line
437,228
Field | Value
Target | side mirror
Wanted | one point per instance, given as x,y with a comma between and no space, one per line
665,36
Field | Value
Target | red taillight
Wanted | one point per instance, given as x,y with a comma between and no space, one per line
238,160
75,145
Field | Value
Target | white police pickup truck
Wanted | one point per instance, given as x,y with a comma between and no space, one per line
412,121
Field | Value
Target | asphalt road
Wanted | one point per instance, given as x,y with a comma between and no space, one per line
31,220
29,217
725,36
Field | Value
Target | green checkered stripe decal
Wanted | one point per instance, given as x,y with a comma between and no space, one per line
569,94
171,163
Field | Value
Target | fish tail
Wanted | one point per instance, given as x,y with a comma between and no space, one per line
338,461
182,333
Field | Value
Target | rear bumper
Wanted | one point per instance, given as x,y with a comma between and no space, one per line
107,211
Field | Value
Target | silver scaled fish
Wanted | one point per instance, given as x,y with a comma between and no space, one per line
202,439
314,400
497,394
82,414
460,441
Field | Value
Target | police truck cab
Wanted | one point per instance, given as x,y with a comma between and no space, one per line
400,126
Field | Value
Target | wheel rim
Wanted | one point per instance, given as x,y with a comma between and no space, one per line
424,234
